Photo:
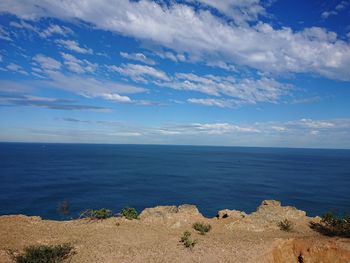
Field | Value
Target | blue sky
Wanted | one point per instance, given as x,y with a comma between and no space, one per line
225,72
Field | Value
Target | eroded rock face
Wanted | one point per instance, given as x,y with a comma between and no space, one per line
268,214
175,216
308,251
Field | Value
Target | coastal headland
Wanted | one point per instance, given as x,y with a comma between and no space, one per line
234,236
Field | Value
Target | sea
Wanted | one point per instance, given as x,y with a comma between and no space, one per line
35,178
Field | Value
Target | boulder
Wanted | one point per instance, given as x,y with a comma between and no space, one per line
232,214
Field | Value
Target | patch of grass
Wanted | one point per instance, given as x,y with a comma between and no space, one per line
201,227
187,241
45,254
129,213
102,213
286,225
333,225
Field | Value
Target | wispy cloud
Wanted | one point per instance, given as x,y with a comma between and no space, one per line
74,46
56,30
47,63
4,35
77,65
222,103
16,68
339,7
51,30
48,103
139,72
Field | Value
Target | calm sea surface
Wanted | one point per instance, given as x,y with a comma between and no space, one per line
35,178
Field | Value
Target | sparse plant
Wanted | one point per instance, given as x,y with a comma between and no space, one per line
45,254
102,213
187,241
201,227
129,213
286,225
333,225
64,208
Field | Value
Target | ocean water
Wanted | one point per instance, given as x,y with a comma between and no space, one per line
35,178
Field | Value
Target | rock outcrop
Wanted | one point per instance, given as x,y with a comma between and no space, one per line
268,214
175,216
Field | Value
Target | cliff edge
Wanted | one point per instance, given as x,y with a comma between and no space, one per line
155,237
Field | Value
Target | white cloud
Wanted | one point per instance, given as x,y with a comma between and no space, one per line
214,102
139,72
279,128
247,91
48,103
55,30
78,66
4,35
23,25
170,55
52,29
74,46
342,5
244,91
180,28
47,63
87,86
138,57
206,128
315,132
16,68
339,7
316,124
13,86
327,14
117,98
241,11
306,100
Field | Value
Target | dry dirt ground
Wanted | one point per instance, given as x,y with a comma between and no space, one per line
155,237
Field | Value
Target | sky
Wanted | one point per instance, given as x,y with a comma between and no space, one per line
271,73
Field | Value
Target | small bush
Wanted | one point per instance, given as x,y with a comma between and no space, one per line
45,254
187,241
286,225
129,213
64,208
201,227
102,213
332,225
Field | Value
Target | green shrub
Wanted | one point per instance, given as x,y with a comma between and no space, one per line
102,213
332,225
129,213
201,227
286,225
187,241
45,254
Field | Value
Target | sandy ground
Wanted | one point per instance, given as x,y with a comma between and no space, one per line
122,240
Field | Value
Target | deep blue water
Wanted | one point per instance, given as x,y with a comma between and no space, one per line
34,178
